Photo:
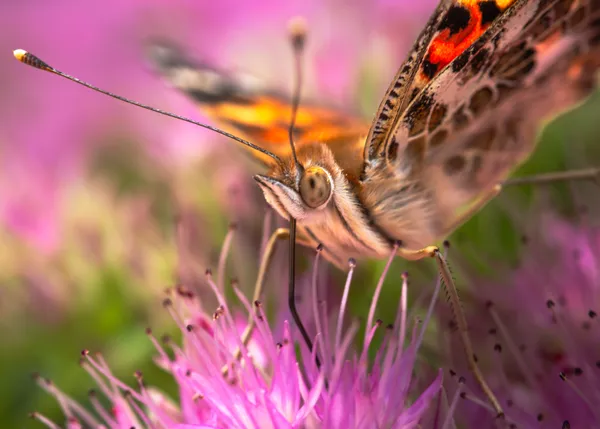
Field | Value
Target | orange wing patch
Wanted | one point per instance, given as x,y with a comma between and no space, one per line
244,106
265,120
463,23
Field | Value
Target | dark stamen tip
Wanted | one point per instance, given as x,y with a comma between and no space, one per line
500,416
463,395
165,339
405,275
540,417
352,262
550,304
138,374
320,247
35,376
92,392
577,371
592,314
188,372
489,304
167,302
208,272
497,348
34,415
184,292
562,376
446,244
189,328
233,226
389,327
148,331
235,282
452,373
566,425
85,352
462,380
257,304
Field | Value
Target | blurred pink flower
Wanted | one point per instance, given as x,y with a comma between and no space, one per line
51,126
537,332
266,387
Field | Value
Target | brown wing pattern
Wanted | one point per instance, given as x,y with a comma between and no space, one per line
402,89
476,120
244,106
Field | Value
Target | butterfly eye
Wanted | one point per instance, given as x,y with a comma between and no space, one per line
315,187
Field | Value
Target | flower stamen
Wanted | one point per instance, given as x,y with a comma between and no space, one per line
342,311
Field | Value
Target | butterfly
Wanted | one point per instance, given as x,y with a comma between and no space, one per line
461,113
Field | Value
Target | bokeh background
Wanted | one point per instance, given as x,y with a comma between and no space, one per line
102,205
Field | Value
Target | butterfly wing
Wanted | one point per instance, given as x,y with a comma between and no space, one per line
477,117
403,87
243,105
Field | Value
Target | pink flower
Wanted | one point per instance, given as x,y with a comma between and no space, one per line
267,387
537,332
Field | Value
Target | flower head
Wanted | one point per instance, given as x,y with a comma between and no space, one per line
225,381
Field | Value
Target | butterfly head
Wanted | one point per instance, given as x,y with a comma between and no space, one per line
303,190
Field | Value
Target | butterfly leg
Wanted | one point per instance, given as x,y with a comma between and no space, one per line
582,174
545,178
278,235
459,316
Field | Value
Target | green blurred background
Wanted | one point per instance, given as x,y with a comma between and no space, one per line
104,206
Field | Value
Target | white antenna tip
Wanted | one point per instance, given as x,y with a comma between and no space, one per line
19,54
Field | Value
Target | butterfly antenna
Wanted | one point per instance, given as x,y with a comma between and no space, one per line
298,39
33,61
